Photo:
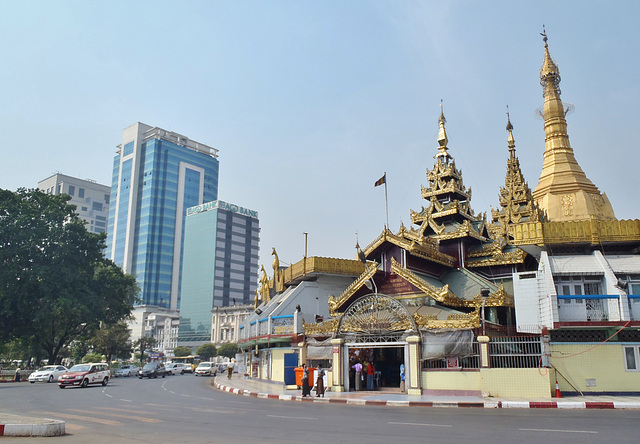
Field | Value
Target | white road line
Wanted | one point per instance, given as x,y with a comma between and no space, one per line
420,424
292,417
125,400
558,431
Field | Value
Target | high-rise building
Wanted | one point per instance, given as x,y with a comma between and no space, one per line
157,175
220,266
90,198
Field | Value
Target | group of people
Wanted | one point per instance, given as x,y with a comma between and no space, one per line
306,387
369,369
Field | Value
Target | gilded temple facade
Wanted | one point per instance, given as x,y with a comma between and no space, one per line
466,304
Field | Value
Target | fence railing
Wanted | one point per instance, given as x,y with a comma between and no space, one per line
504,352
585,308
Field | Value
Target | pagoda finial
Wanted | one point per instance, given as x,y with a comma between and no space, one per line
510,140
549,73
442,136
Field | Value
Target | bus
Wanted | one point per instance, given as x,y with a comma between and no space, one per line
191,360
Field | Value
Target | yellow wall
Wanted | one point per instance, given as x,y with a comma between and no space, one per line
516,382
449,380
498,382
604,363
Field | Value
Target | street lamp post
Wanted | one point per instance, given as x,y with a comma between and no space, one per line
484,292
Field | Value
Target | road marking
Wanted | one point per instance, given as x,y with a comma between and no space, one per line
122,415
558,431
292,417
125,400
420,424
89,418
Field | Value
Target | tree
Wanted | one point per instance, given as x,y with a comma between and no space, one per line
92,357
144,343
228,350
56,287
113,340
207,351
181,350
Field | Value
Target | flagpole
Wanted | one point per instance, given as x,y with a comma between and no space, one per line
386,200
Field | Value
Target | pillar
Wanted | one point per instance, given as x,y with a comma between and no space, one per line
303,353
483,341
413,371
337,346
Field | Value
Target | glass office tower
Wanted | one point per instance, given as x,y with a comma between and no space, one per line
157,175
220,266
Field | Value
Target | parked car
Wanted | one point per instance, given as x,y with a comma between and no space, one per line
206,369
126,370
81,375
152,370
48,373
175,368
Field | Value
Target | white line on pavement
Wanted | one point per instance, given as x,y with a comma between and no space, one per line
558,431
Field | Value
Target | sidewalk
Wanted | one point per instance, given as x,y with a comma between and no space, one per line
265,389
16,425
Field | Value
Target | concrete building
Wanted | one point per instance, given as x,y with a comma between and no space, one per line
220,265
157,175
156,322
90,198
226,322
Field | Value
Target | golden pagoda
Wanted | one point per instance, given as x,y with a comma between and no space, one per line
516,201
563,193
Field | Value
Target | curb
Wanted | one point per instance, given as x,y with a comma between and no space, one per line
441,404
12,425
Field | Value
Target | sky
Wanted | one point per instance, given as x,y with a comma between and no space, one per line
310,102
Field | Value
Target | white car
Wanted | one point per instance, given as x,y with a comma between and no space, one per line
48,373
207,369
127,370
81,375
176,368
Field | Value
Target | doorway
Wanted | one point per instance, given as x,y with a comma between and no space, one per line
386,360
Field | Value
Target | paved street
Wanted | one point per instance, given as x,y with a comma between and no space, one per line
189,409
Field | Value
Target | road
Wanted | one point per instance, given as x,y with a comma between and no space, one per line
185,408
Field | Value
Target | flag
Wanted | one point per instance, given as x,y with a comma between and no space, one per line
381,181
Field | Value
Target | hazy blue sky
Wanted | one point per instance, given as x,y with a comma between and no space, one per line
310,102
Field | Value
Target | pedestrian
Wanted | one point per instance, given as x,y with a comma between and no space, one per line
358,368
320,382
230,369
371,371
306,388
17,376
402,378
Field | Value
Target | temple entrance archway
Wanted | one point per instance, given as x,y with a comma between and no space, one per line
374,328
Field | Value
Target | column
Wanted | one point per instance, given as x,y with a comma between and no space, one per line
483,341
337,346
413,371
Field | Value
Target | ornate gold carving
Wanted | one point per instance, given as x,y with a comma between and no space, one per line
322,265
336,303
263,293
592,231
470,320
499,258
443,294
327,327
375,314
566,200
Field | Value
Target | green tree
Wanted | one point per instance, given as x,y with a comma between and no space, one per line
113,341
181,350
56,287
228,350
92,357
207,351
144,343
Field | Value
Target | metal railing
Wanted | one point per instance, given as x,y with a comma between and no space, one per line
515,352
584,308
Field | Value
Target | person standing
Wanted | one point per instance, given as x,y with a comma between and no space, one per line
230,368
358,382
320,382
306,388
17,376
402,378
371,371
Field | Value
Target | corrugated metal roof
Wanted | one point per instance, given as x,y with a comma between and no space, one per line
624,264
579,264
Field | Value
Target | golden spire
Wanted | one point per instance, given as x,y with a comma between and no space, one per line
563,192
442,154
516,202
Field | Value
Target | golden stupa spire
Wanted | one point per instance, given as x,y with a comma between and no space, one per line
442,154
511,143
563,192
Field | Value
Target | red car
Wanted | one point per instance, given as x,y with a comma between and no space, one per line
81,375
